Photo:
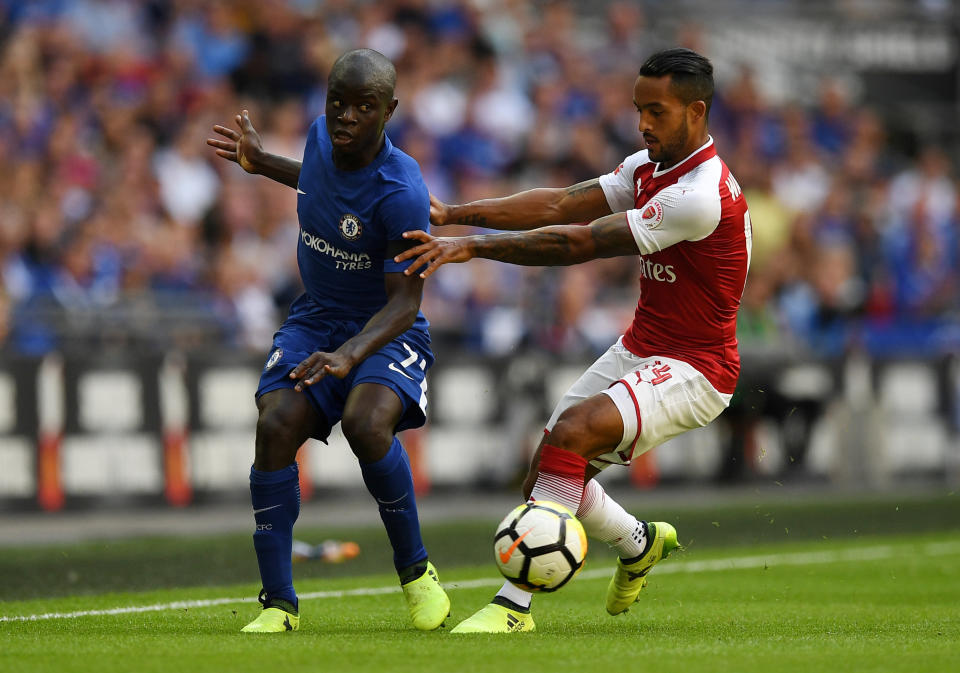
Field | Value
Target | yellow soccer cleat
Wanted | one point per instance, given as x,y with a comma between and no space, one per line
624,589
273,620
494,618
426,600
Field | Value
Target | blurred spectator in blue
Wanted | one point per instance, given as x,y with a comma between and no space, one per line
832,119
210,35
110,199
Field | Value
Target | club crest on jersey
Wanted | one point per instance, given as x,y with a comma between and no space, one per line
350,227
652,214
274,358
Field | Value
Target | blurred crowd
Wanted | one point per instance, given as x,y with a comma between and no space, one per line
112,204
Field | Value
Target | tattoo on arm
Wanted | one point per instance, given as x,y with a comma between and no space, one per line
582,188
583,202
475,221
549,246
612,237
609,236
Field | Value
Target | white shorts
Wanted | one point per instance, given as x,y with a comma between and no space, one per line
658,398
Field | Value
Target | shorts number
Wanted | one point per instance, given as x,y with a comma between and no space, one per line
661,373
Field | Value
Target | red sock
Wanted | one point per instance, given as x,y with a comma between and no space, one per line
561,477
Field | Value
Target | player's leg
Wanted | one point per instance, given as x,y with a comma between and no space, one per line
371,413
509,611
286,419
602,517
557,472
584,432
670,404
370,416
659,399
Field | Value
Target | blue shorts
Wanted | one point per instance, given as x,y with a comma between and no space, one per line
401,365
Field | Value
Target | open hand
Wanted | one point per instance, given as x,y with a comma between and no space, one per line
435,252
244,147
319,365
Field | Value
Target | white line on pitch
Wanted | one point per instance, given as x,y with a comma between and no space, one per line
732,563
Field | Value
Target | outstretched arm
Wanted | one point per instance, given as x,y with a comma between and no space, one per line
245,148
562,245
527,210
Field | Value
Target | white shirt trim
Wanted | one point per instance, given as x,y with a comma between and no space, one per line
688,210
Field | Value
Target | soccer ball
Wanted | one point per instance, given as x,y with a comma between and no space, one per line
540,546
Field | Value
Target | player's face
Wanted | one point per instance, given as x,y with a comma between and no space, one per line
356,114
664,120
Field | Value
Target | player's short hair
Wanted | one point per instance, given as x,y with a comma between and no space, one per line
691,75
377,69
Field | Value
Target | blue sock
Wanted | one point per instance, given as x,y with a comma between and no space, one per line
276,505
390,481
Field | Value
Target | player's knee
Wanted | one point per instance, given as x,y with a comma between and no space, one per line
571,432
369,438
272,424
277,439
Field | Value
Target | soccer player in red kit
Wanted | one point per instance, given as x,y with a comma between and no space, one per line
677,206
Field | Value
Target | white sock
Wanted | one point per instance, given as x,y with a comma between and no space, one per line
548,487
515,594
605,520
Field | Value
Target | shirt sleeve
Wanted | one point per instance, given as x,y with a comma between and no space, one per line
619,186
405,210
675,214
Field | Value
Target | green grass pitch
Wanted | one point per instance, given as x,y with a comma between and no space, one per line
811,587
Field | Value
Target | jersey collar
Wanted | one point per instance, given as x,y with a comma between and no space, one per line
704,152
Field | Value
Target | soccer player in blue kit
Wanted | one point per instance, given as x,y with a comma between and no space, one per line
355,346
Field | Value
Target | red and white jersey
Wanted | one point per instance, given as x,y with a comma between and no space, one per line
692,226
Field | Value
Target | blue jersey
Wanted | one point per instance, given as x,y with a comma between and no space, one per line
347,218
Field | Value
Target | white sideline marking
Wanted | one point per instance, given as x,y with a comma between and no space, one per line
733,563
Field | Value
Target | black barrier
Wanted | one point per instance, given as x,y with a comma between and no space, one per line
19,431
